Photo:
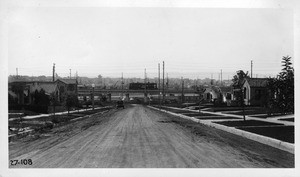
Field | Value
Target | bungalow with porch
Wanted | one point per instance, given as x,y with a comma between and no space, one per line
255,91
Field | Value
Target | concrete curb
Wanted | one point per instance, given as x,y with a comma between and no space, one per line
288,147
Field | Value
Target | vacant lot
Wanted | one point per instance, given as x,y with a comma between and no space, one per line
246,123
283,133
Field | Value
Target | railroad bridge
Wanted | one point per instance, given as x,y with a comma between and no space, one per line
88,91
128,93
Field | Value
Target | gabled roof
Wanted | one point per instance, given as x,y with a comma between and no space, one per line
47,87
225,89
257,82
212,88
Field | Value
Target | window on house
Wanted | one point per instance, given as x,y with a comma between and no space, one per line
245,92
228,96
208,96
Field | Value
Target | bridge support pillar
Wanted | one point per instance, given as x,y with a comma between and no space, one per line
146,98
109,97
127,97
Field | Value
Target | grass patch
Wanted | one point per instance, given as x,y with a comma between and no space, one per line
231,108
246,123
216,118
248,112
197,114
288,119
283,133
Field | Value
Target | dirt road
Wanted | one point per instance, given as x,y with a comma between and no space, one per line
140,137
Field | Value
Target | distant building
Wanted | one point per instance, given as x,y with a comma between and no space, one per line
68,85
140,86
219,94
190,97
226,93
24,92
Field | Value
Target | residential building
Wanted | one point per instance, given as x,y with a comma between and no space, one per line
255,91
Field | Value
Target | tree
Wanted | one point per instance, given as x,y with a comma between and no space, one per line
71,101
285,86
238,81
53,101
281,89
40,98
239,78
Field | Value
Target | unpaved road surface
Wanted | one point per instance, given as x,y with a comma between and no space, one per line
141,137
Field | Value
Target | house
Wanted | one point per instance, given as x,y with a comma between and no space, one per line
211,93
220,94
255,91
68,86
23,92
226,94
189,97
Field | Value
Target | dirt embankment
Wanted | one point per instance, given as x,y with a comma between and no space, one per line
45,139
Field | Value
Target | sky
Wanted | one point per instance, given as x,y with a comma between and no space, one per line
193,42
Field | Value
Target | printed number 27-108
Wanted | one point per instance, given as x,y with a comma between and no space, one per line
21,162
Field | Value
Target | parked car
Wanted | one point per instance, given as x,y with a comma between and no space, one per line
120,104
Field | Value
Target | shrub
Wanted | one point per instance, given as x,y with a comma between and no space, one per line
55,120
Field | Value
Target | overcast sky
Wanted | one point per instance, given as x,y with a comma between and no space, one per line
193,42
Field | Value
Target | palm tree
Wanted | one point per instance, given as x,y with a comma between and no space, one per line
239,78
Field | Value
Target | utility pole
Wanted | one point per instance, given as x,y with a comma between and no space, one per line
145,84
53,74
93,95
221,77
251,67
122,82
159,84
182,87
17,72
70,73
227,80
163,84
167,84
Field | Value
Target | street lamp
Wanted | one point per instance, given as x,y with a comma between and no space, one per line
243,103
160,100
93,86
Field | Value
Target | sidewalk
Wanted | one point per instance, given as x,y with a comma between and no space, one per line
58,113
